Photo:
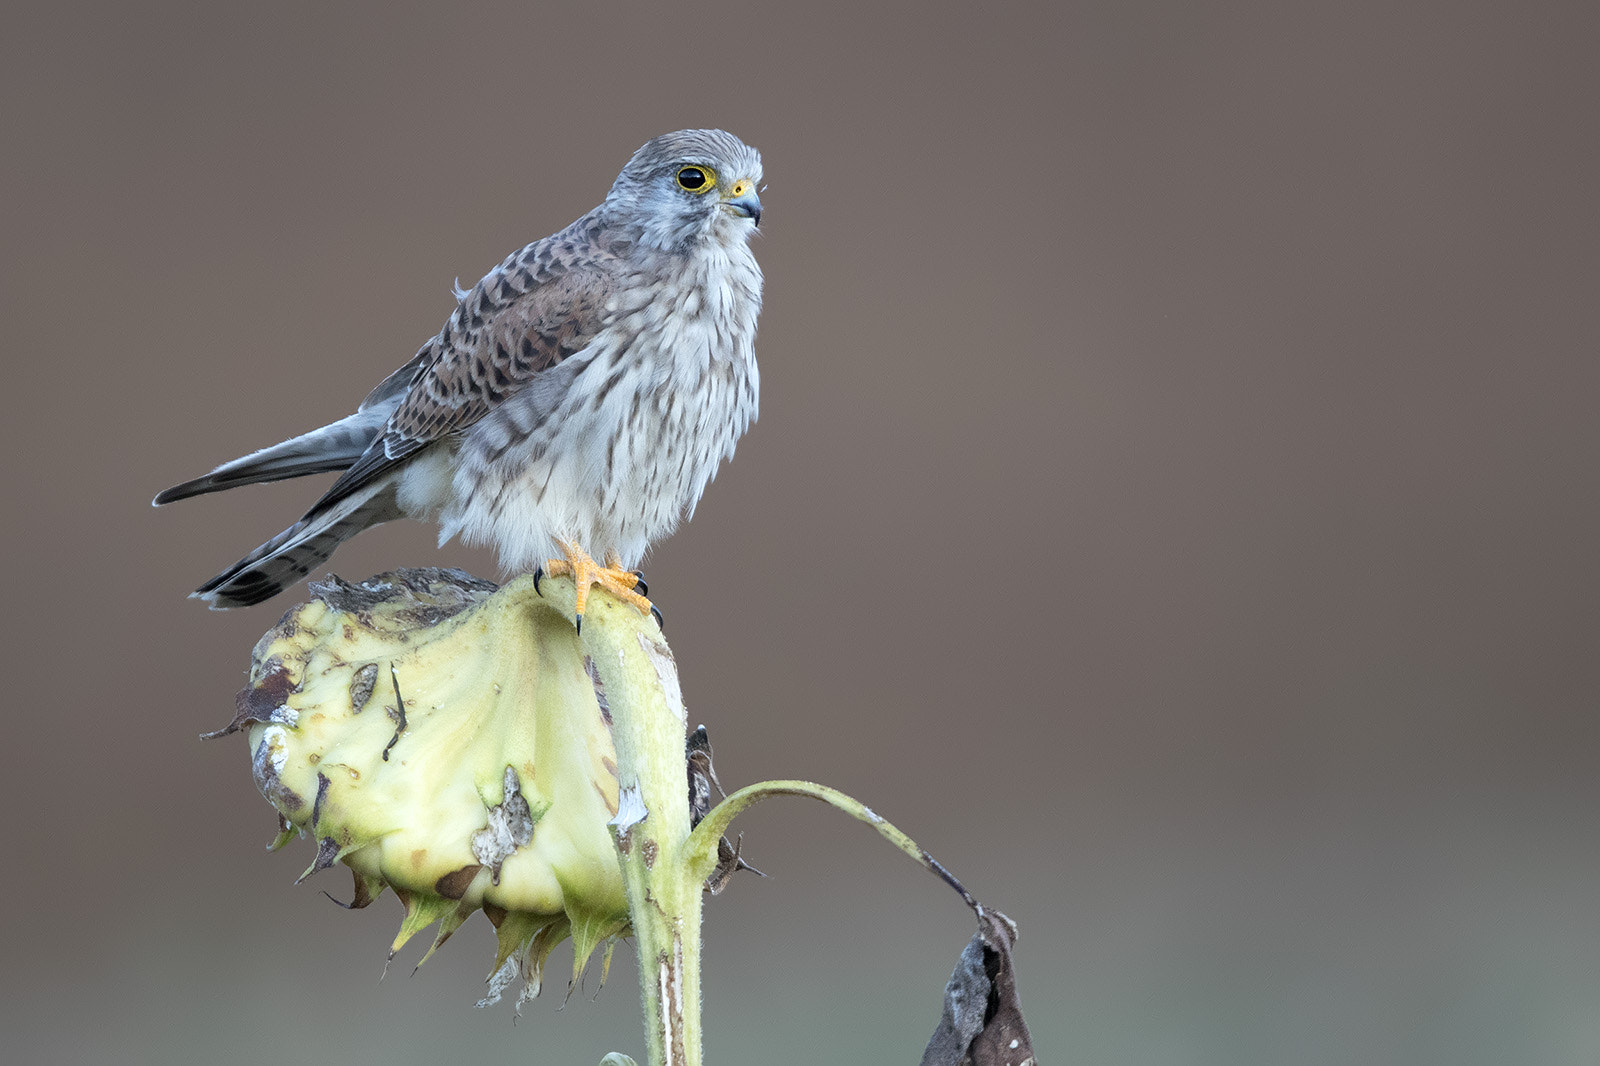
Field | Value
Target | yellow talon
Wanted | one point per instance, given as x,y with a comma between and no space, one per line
586,573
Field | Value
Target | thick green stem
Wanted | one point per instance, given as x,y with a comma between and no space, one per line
651,828
664,864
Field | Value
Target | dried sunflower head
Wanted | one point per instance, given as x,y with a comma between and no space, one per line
445,739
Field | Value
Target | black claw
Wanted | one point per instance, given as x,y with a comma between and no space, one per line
578,624
641,588
655,612
538,575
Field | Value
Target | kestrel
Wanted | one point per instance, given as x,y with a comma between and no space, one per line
578,399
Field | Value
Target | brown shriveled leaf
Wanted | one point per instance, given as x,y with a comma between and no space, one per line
729,862
702,779
982,1023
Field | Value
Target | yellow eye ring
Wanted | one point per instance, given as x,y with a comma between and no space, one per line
697,179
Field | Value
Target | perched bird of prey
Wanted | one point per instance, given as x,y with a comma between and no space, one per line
577,401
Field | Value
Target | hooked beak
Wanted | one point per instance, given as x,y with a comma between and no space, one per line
743,201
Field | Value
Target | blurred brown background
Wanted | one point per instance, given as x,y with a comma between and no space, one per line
1174,503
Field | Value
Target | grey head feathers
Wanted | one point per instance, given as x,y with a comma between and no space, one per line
648,200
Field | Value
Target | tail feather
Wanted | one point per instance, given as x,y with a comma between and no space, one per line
292,554
332,447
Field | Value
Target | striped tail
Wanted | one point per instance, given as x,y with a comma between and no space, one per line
292,554
333,447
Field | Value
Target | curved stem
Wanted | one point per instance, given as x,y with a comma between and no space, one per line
701,849
664,863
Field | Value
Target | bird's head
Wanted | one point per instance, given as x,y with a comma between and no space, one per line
688,187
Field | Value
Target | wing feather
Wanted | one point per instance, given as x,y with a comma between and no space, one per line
540,306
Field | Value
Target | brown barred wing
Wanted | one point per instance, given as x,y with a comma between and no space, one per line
498,340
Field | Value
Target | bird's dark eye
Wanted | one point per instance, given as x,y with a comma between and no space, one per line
697,179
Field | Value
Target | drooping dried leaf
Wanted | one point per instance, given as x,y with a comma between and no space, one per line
702,779
982,1023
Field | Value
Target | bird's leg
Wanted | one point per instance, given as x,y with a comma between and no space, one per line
586,573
